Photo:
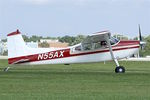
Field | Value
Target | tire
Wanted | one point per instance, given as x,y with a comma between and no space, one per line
5,70
120,69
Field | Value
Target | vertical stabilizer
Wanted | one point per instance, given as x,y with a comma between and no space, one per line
16,45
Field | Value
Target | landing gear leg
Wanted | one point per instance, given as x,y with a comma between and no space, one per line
118,69
6,69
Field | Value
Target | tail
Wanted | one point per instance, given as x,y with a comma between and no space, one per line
16,46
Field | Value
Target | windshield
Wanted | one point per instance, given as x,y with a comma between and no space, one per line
113,40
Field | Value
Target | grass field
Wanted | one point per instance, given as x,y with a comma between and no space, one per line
94,81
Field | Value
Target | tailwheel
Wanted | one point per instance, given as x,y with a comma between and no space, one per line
120,69
6,69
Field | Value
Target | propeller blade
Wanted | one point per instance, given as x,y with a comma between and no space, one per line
140,36
142,43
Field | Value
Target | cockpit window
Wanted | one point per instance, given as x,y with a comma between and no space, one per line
87,46
94,44
97,45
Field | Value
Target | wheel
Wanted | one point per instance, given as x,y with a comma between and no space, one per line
120,69
6,69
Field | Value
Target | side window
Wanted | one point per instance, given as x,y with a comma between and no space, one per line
103,43
97,45
78,48
100,44
87,46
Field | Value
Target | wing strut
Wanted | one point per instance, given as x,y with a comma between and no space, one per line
111,51
119,69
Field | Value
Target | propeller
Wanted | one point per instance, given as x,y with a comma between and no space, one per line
142,43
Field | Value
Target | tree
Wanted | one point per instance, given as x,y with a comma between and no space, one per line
67,39
4,40
26,38
72,40
35,38
147,46
53,38
120,37
146,50
44,45
32,38
79,39
137,38
5,53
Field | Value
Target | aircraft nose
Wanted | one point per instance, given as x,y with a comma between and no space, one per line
142,42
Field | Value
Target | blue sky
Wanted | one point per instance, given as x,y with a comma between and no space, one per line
73,17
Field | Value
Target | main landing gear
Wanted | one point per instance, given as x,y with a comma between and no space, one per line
118,69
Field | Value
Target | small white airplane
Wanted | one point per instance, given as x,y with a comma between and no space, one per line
96,47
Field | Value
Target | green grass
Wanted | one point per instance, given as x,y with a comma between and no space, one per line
93,81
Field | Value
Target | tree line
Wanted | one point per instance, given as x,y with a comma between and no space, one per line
72,40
